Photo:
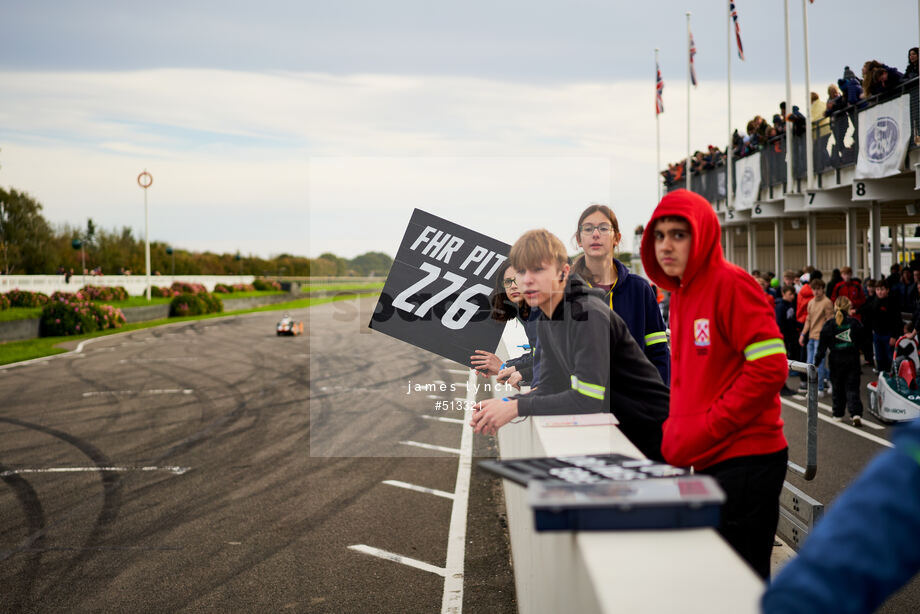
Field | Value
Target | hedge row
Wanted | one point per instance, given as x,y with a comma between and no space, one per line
190,304
225,289
25,298
64,316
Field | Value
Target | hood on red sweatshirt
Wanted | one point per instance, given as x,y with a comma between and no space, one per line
705,239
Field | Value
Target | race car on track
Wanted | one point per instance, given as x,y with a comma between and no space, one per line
287,326
895,397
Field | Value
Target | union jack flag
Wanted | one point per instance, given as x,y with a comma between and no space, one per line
659,86
692,67
737,29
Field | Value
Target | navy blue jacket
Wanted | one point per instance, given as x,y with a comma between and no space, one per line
633,300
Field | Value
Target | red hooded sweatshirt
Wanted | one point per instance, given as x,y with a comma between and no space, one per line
728,361
802,300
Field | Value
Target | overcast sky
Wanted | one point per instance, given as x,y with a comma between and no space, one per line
305,127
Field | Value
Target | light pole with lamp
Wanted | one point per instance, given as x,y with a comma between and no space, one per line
145,180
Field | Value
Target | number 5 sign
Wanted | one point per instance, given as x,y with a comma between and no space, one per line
437,295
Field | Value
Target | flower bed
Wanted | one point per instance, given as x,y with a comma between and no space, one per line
105,293
4,302
163,292
262,285
63,317
190,304
24,298
188,288
222,288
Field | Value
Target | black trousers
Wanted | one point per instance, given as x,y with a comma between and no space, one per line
845,381
752,486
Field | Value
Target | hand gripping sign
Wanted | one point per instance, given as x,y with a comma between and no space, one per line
437,294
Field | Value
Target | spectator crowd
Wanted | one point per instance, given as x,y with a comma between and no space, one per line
830,117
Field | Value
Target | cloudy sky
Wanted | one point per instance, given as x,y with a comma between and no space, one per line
304,127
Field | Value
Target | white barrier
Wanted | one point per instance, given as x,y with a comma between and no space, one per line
688,570
136,285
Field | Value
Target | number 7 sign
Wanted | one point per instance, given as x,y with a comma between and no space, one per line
437,294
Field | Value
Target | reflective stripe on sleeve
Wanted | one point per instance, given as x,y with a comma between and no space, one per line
589,390
762,349
659,337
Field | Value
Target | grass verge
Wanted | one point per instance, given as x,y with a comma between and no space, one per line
28,349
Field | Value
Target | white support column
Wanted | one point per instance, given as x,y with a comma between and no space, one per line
811,240
852,240
778,246
752,246
875,224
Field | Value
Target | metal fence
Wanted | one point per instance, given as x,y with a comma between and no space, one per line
836,145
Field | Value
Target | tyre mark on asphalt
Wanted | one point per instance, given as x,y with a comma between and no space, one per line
35,524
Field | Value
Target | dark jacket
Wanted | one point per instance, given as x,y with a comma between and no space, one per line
843,340
885,316
633,300
590,363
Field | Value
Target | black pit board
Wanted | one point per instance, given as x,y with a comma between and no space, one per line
604,492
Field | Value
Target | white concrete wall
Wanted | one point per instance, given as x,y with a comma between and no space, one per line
636,572
136,285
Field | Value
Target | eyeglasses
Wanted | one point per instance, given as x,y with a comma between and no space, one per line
507,282
589,229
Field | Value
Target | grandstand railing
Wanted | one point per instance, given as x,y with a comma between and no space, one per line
836,145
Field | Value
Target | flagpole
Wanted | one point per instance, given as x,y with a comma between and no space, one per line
657,130
688,100
809,143
787,119
728,151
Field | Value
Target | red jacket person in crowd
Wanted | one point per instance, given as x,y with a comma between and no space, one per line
728,365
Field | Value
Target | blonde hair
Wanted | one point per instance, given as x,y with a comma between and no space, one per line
842,305
536,247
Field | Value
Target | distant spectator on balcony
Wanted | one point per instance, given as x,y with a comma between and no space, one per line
911,72
849,74
798,122
852,90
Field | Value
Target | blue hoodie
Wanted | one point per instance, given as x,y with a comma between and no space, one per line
633,300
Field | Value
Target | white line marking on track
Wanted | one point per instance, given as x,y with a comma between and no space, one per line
442,419
175,470
845,427
458,371
398,558
429,446
452,602
97,393
430,491
830,411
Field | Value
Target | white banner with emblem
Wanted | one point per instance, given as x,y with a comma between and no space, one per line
748,181
884,133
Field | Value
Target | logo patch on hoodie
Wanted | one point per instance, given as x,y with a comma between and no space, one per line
701,332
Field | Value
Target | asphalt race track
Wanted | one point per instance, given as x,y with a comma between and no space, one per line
214,467
170,469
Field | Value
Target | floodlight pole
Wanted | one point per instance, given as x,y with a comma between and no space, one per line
145,180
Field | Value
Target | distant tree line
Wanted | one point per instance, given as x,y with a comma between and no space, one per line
29,245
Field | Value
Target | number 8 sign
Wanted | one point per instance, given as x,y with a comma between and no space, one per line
437,294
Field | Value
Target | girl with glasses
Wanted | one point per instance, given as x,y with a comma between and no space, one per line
629,296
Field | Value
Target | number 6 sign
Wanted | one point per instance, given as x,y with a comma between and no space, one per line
437,295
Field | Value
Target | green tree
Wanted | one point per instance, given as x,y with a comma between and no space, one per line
26,238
